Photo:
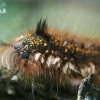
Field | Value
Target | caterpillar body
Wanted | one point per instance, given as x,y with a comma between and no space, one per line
51,60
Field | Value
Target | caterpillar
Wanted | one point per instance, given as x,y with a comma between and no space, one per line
52,60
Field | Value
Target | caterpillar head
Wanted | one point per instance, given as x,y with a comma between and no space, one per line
21,55
27,45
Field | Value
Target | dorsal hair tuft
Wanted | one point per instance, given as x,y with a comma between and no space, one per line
41,27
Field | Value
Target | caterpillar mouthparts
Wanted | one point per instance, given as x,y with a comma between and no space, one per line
50,59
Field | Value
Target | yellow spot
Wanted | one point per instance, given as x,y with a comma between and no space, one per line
52,51
26,47
32,38
78,49
22,41
65,50
28,33
31,42
72,59
47,51
45,44
69,46
65,58
28,39
40,40
55,40
31,45
38,37
37,43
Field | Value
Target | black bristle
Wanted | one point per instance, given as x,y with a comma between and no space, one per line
41,27
38,29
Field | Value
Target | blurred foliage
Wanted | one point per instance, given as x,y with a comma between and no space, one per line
15,90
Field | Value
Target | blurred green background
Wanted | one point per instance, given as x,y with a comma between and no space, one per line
81,17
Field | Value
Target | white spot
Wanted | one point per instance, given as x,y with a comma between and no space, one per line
37,56
10,91
58,65
69,66
14,78
42,60
49,60
65,42
65,68
83,72
93,68
55,60
88,69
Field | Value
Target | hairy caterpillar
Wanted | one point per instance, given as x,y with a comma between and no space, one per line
51,60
